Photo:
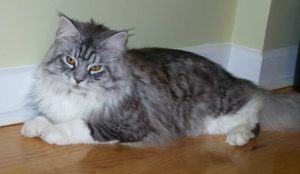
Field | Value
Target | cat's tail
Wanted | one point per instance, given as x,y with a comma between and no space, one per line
281,112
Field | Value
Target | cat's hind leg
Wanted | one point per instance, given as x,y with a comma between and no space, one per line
237,127
34,127
247,121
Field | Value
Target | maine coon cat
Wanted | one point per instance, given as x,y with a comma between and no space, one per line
91,89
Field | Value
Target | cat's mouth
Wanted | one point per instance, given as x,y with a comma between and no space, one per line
77,90
76,87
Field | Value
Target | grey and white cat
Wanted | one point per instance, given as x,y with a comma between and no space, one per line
91,89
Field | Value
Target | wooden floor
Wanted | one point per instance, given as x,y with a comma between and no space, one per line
271,152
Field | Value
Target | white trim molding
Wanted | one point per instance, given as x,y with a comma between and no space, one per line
278,67
15,84
244,62
218,53
271,69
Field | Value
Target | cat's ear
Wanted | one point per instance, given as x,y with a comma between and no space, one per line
66,28
116,42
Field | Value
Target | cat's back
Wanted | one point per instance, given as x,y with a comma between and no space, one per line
174,61
192,73
170,59
161,55
173,76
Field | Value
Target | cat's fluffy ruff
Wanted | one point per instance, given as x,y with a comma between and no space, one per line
147,95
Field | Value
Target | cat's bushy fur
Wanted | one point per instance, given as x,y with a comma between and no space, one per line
149,95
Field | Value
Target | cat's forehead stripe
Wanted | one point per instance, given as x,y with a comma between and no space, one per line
90,54
74,53
92,59
85,53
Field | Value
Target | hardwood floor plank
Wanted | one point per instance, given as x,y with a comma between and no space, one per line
271,152
285,89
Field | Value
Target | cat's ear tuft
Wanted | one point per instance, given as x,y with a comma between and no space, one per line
66,28
117,42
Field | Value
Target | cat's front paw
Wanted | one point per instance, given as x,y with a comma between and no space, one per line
239,136
34,128
55,135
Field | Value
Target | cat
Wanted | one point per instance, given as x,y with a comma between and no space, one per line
90,88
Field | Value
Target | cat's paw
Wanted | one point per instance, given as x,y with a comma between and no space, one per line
55,135
239,136
34,128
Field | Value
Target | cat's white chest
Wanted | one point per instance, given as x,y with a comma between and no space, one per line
66,106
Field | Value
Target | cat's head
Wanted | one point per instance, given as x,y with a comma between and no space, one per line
85,55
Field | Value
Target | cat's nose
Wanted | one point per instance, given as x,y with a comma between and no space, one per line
78,81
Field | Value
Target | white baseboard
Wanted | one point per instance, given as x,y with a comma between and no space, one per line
270,69
245,63
277,83
15,84
218,53
278,67
240,61
17,116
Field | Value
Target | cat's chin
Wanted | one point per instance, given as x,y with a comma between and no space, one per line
75,89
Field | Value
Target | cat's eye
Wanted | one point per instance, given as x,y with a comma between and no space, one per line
94,69
71,61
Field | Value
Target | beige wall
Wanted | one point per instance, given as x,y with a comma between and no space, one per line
267,24
250,23
28,26
283,25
